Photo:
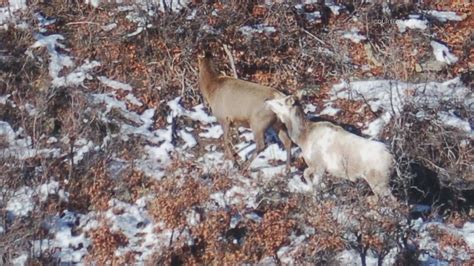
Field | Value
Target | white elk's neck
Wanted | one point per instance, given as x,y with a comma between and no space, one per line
296,125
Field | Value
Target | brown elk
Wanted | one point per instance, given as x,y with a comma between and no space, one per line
238,102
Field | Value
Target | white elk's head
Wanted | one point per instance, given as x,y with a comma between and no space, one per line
286,108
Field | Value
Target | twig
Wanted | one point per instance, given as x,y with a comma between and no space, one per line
314,37
71,158
183,82
231,59
82,22
367,103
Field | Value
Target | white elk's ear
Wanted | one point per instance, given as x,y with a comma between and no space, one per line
299,94
290,101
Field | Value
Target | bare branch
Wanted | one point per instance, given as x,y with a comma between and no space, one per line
231,59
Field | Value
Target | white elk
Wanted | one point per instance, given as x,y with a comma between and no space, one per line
329,148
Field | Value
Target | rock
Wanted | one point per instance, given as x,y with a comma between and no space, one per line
370,55
430,66
418,68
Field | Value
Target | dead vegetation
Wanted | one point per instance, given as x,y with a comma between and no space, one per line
435,159
159,64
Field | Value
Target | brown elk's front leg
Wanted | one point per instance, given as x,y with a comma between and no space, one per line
287,143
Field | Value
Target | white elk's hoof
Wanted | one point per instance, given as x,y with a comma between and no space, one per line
372,200
316,178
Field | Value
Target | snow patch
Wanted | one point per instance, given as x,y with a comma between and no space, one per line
133,100
259,29
114,84
391,95
77,76
433,248
133,221
197,113
7,12
149,5
329,110
467,232
51,188
189,140
411,23
442,54
449,119
444,16
286,253
309,108
297,185
4,99
375,127
57,61
94,3
68,247
20,260
20,146
354,36
84,147
310,16
212,132
21,202
335,9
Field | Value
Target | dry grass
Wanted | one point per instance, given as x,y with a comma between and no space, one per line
160,64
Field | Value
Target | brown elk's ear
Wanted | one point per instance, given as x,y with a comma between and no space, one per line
207,54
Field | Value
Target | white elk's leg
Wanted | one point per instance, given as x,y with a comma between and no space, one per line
382,191
318,176
308,172
379,183
316,172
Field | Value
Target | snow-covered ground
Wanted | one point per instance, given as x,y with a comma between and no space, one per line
389,96
68,237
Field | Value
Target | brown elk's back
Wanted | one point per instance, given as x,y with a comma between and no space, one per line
233,98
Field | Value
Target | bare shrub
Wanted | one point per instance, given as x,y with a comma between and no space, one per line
434,159
174,198
105,242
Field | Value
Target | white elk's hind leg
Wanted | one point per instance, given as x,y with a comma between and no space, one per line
308,172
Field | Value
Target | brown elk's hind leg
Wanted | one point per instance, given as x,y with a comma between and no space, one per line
227,142
259,136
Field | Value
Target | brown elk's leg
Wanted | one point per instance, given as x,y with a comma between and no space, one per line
259,136
227,142
285,139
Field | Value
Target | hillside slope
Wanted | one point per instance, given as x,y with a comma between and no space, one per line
108,154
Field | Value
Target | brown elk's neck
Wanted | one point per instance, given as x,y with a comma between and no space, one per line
207,75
